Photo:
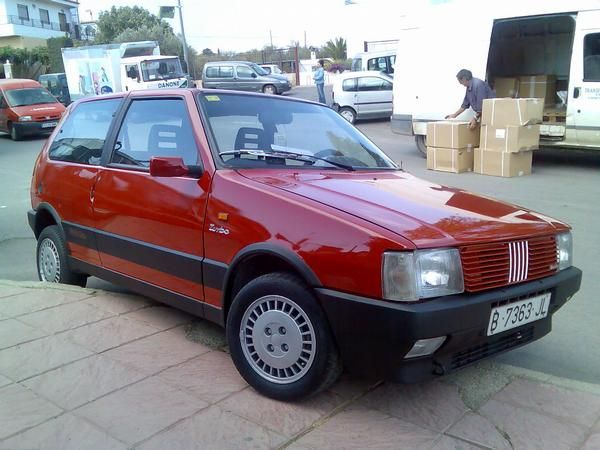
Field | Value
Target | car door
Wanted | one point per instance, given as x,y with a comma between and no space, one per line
374,97
584,92
73,167
150,228
3,112
246,79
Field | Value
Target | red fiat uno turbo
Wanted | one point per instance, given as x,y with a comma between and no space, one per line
279,220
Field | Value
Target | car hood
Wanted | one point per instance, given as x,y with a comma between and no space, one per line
427,214
277,77
42,111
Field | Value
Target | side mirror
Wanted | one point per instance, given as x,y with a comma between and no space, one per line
254,75
163,166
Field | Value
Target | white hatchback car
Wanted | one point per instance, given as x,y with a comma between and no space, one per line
363,95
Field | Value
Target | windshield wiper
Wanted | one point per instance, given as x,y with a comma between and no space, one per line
285,155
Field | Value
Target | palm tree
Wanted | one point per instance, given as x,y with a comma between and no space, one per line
336,49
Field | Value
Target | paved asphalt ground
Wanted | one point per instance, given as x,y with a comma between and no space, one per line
565,185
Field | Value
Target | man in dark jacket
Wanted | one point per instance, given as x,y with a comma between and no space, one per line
477,91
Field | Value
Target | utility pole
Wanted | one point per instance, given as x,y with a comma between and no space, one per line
185,47
271,36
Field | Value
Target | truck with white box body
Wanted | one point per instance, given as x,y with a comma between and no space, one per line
528,41
103,69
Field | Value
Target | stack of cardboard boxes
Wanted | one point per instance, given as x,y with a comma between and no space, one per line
509,133
450,146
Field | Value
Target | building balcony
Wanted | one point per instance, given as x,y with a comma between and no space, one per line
16,20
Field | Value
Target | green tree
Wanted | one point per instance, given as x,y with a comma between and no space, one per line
335,48
208,52
115,21
26,63
55,54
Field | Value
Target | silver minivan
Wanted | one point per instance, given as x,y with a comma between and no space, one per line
243,76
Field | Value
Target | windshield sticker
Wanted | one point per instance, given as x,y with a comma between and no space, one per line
212,98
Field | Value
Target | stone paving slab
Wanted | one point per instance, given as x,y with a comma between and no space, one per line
86,369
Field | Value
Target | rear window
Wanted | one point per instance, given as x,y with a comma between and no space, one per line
82,134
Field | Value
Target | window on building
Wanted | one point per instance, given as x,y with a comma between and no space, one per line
591,57
23,12
62,22
44,16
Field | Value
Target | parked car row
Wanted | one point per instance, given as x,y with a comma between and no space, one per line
243,76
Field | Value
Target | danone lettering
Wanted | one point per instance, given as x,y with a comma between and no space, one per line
168,84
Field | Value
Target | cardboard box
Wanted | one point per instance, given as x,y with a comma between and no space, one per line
502,164
506,87
538,86
510,139
452,134
516,112
450,159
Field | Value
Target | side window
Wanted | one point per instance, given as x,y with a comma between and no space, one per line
372,64
591,57
392,63
132,71
212,72
373,84
3,104
244,72
226,72
155,127
82,134
349,85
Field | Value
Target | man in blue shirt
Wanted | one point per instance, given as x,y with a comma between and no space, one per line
319,77
477,91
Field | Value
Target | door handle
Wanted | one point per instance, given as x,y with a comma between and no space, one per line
576,92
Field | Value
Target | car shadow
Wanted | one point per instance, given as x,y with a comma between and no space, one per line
552,156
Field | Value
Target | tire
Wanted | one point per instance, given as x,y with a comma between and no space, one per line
14,133
348,113
269,89
52,261
421,143
279,338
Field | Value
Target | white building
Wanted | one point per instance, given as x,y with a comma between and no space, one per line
26,23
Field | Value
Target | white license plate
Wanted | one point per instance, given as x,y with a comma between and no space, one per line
518,313
49,124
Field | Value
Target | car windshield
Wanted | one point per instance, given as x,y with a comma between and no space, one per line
29,96
259,70
161,69
251,131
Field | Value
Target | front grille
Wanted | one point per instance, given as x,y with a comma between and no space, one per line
488,266
482,351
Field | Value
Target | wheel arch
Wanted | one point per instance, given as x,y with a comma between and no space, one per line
45,216
259,259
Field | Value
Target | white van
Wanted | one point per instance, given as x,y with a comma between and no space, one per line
511,39
382,61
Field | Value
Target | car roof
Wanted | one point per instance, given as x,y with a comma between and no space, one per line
18,83
214,63
365,73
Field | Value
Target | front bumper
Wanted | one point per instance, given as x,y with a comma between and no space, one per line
281,88
373,336
31,128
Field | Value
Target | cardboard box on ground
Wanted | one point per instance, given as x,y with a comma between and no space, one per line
450,146
502,164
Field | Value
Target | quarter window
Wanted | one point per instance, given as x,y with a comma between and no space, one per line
157,127
591,57
82,134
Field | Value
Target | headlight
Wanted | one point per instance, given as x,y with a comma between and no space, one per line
25,119
564,249
410,276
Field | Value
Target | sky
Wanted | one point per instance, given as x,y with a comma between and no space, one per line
240,25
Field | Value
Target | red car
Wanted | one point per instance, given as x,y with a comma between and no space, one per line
279,220
26,108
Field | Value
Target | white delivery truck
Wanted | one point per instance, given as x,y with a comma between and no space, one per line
102,69
497,40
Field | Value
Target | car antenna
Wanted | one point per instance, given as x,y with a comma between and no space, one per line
401,168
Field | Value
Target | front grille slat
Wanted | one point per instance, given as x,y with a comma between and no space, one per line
488,266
